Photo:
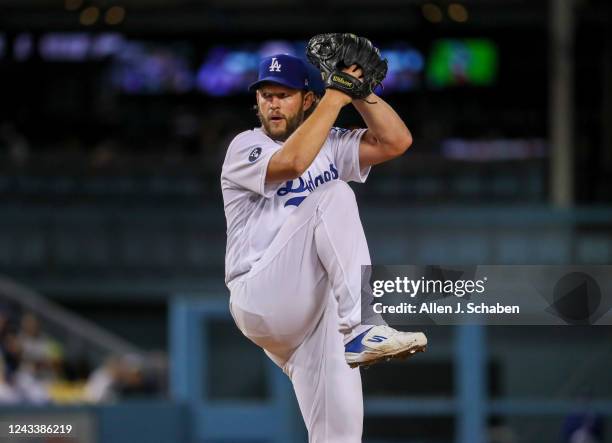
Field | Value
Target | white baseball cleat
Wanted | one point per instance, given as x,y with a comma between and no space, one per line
382,343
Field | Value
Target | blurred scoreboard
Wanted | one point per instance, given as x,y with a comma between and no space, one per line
145,67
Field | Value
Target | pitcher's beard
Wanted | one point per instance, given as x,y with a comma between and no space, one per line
291,124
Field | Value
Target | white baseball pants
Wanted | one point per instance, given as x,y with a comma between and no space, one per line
301,303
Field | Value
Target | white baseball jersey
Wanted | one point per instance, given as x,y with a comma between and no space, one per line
255,211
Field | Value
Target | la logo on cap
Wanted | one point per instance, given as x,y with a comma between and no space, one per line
275,66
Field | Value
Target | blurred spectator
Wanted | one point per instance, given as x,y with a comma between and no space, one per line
29,385
102,383
8,395
8,359
120,377
21,370
36,346
32,369
11,352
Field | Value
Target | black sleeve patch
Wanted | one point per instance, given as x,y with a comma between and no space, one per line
254,155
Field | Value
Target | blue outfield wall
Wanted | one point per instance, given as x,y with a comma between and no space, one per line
142,421
151,422
272,418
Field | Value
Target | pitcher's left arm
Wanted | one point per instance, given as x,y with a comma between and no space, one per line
387,136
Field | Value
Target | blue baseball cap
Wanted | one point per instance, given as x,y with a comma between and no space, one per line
315,80
290,71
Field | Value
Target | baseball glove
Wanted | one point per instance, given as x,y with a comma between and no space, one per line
333,52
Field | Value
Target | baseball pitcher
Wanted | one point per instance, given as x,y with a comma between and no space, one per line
295,243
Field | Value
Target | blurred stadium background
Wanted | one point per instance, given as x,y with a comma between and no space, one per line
114,120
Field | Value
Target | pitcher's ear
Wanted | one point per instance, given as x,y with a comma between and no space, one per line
309,99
